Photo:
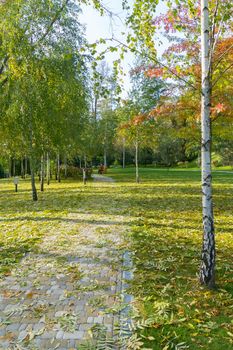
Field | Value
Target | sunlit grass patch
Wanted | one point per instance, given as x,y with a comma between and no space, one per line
173,311
163,216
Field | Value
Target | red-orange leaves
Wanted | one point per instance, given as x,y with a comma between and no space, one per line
218,108
155,72
139,119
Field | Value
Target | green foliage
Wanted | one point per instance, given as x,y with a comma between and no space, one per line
74,172
45,78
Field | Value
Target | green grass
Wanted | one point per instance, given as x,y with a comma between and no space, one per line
166,242
164,216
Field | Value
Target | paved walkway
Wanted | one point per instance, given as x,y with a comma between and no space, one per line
102,178
69,292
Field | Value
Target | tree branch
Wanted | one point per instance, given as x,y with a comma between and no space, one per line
55,18
222,56
214,23
225,70
213,39
4,64
153,59
3,82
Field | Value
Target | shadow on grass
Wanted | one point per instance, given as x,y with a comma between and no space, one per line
13,252
167,290
62,219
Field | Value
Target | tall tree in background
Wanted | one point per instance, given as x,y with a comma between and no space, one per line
43,78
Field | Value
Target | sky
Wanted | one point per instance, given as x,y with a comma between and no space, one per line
103,27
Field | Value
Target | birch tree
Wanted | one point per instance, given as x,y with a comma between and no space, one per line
45,79
202,28
207,270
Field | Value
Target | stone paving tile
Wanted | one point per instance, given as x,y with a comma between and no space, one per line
53,298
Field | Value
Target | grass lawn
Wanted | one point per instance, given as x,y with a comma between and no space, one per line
166,242
164,216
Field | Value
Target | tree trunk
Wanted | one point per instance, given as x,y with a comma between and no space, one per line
123,154
136,160
80,162
10,167
105,157
34,191
32,165
48,169
207,269
42,173
65,165
33,184
85,161
58,168
22,168
95,107
84,176
13,166
25,167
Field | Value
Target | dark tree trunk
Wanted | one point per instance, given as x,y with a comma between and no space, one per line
48,169
22,169
13,167
65,165
10,167
123,154
25,167
34,191
58,168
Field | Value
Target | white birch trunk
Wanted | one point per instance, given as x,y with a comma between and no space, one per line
207,269
84,176
85,161
42,173
32,166
105,157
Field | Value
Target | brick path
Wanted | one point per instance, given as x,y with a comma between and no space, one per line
72,285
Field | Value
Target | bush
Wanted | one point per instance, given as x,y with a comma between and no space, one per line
2,172
116,163
217,160
74,172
